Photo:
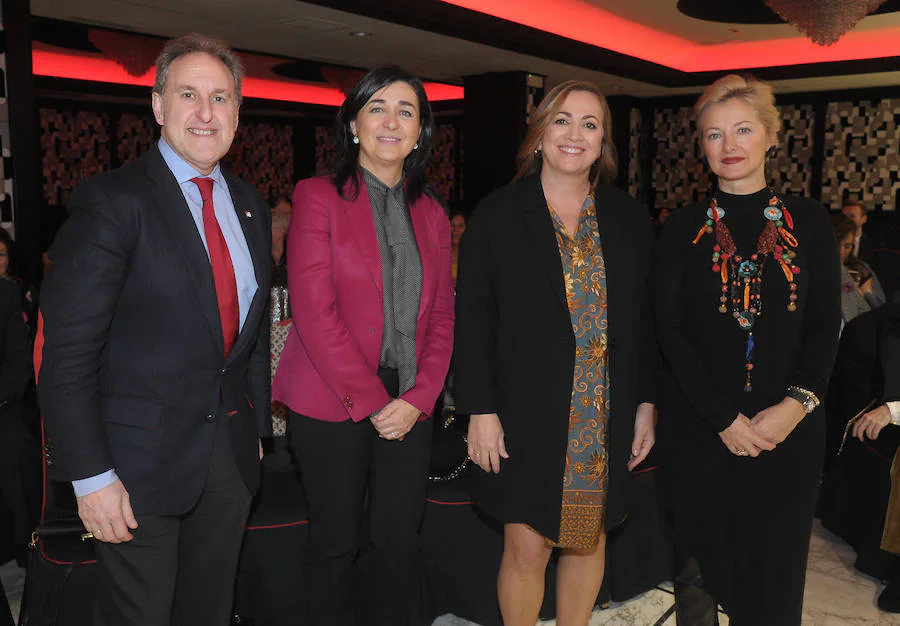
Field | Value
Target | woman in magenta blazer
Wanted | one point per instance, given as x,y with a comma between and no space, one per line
372,297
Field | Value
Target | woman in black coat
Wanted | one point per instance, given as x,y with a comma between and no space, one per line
748,312
555,359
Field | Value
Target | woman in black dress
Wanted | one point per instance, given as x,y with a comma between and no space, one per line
748,313
555,355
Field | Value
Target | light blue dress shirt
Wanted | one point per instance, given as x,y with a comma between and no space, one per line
230,224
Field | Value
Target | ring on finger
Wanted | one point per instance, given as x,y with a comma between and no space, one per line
741,452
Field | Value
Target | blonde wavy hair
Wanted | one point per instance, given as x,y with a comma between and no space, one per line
530,159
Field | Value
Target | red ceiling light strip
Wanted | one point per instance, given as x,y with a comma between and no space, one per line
62,65
579,20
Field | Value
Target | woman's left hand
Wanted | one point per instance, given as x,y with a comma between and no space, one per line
644,434
775,423
872,422
396,419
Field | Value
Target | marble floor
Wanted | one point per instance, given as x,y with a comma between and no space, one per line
836,594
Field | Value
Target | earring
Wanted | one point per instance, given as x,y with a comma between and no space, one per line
537,152
771,152
416,147
355,139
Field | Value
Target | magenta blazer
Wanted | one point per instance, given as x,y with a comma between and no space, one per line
329,364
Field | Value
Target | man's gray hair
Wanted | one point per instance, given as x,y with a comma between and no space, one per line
195,42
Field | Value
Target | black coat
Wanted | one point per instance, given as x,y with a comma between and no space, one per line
515,349
133,368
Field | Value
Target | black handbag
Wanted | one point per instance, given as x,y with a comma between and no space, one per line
62,566
59,578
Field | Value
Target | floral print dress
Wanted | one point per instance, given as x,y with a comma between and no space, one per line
587,473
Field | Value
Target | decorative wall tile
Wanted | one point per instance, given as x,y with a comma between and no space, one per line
862,153
135,134
790,170
679,175
635,173
263,155
441,171
75,144
326,154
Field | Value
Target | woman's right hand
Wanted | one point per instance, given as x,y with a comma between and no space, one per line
742,440
486,445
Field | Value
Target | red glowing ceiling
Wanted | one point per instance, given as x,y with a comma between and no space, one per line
580,21
60,64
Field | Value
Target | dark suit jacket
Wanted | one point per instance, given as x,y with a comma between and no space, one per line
866,371
515,349
133,374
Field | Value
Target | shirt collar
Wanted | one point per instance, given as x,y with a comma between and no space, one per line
183,170
371,179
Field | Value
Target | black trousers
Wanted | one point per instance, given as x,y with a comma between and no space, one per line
180,571
340,463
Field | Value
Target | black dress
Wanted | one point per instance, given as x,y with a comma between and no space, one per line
747,521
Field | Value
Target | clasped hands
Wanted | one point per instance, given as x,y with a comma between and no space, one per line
767,429
396,419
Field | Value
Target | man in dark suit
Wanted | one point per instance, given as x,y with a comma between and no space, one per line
857,213
155,378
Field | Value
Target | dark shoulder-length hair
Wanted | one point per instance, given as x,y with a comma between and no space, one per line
347,170
530,158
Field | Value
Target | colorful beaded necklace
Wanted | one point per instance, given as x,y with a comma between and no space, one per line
742,278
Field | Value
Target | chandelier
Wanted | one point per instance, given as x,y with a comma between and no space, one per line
823,21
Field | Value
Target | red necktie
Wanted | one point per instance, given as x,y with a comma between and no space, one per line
222,268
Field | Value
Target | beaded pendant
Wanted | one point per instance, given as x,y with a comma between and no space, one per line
741,279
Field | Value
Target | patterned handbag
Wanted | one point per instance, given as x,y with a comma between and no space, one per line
279,335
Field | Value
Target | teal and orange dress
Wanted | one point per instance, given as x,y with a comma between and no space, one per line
587,472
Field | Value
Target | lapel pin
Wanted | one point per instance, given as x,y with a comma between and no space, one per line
248,214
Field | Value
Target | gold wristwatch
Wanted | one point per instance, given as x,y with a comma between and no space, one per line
804,396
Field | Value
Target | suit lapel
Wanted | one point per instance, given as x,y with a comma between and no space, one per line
539,226
359,215
172,206
426,246
247,214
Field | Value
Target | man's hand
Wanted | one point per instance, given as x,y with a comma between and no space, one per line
107,514
871,424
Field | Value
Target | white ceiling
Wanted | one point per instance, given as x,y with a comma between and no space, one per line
305,31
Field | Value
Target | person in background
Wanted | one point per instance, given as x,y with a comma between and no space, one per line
20,453
747,315
372,299
857,213
857,278
154,384
281,204
860,499
457,228
553,322
10,271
